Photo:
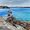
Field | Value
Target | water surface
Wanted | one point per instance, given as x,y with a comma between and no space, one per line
22,14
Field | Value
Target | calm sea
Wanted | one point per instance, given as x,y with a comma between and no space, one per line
22,14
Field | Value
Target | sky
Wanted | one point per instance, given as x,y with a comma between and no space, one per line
15,2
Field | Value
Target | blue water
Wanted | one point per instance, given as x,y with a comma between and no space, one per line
22,14
3,12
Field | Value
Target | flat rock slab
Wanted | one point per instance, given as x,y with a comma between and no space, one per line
4,28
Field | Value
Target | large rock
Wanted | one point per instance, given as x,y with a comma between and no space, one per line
9,26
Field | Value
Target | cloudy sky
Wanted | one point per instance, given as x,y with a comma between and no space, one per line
16,2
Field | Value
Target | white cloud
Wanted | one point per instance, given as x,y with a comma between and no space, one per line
15,2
